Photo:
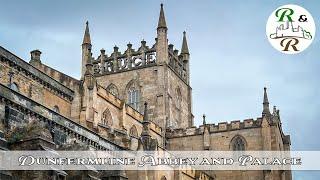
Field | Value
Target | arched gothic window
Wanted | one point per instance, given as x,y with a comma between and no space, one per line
106,118
14,86
238,144
113,90
133,131
134,98
56,109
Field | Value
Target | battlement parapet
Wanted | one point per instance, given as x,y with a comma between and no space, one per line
215,128
132,59
128,60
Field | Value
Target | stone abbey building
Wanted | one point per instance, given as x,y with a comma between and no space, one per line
42,108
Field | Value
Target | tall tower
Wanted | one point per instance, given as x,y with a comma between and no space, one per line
156,73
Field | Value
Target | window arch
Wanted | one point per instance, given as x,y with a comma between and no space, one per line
14,86
133,94
106,118
133,131
134,98
56,109
113,90
238,143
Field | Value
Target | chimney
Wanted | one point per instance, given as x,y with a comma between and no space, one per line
35,56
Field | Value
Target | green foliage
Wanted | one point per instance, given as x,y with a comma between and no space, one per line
23,132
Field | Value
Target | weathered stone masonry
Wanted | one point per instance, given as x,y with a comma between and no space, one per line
138,99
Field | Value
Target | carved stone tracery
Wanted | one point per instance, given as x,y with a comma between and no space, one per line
129,60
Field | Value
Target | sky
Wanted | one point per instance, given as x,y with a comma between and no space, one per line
231,58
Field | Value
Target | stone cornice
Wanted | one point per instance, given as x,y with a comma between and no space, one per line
45,114
213,128
35,74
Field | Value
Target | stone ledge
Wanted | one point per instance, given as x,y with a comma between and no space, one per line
213,128
35,73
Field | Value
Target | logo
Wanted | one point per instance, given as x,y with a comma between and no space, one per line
290,29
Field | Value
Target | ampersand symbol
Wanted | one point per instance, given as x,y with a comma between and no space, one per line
302,18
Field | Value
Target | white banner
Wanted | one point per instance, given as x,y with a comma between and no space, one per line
159,160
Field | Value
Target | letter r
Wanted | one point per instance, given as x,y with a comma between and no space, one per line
285,12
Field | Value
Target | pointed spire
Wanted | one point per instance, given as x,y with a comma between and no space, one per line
86,37
145,122
184,48
162,20
145,113
266,110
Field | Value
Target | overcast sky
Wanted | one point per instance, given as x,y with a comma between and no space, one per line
231,58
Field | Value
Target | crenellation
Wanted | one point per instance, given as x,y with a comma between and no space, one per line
171,48
176,53
248,123
235,124
213,128
222,126
191,130
130,59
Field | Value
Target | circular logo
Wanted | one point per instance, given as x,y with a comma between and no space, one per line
290,29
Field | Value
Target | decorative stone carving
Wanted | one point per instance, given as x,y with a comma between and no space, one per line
106,118
129,60
113,90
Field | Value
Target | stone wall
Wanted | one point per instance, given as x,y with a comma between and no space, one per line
24,109
180,112
31,83
219,138
123,117
144,79
159,87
